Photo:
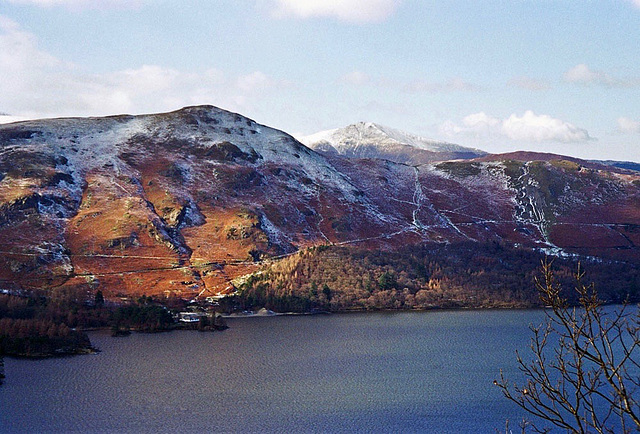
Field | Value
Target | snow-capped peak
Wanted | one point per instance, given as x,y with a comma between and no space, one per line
371,140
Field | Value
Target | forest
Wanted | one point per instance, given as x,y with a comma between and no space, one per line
318,279
54,323
464,275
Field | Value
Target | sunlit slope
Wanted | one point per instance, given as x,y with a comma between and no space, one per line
183,203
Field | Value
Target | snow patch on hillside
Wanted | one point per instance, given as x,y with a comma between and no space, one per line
348,140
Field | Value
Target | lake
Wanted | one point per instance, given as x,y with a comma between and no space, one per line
371,372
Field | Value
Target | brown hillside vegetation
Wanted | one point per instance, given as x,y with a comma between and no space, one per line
186,204
420,277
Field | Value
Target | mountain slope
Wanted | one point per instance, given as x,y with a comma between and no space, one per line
183,203
369,140
96,198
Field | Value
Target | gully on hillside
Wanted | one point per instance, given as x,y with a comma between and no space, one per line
183,203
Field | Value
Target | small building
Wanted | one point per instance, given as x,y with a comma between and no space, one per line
189,317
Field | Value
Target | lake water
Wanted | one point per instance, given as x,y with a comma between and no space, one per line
374,372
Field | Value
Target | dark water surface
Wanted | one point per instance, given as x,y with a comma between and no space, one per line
374,372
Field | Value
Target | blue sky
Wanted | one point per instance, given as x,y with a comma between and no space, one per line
549,75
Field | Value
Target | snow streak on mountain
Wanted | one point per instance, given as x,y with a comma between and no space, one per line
369,140
188,202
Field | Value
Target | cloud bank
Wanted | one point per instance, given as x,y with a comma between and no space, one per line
529,83
36,84
353,11
627,125
355,78
453,85
529,127
582,74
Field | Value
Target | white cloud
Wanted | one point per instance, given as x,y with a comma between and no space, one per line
355,78
82,4
452,85
542,128
636,3
627,125
529,127
480,121
529,83
354,11
255,80
19,51
582,74
36,84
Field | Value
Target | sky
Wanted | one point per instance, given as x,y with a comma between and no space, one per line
558,76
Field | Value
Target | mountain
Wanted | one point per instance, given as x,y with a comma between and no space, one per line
369,140
192,202
175,202
630,165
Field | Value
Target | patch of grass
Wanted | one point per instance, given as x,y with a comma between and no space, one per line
568,166
461,169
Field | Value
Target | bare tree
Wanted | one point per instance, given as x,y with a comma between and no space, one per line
584,371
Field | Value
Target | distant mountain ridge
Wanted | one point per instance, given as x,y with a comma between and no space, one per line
629,165
370,140
193,202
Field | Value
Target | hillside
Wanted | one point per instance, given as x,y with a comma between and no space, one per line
182,203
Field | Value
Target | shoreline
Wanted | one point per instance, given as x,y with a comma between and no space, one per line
259,314
266,313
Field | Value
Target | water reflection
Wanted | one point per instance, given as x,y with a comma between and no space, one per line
383,372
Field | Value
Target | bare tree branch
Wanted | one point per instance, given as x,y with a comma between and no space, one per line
585,365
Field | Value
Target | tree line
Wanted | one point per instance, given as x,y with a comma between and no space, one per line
52,322
469,275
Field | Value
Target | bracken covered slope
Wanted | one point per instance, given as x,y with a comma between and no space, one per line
183,203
